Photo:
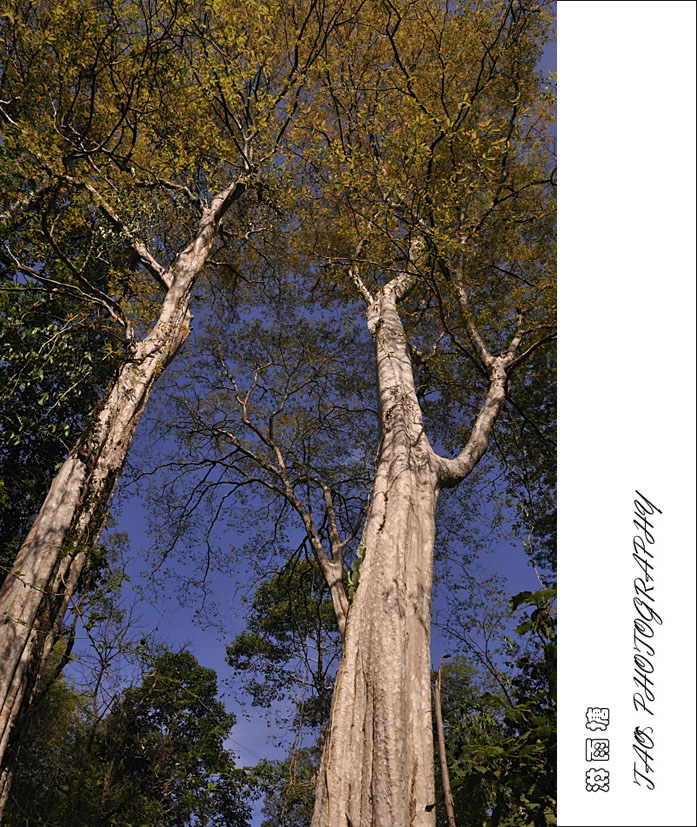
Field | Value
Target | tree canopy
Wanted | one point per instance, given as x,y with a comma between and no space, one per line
156,757
357,200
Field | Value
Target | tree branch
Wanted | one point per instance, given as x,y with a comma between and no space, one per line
533,347
71,290
160,273
453,471
355,277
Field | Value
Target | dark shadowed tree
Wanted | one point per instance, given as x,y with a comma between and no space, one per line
288,787
290,648
55,361
286,660
501,734
156,758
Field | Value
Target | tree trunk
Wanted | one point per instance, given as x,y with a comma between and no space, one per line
377,766
444,774
377,762
36,593
38,590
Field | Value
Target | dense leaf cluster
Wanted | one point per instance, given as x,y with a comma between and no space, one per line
155,759
290,647
54,363
502,749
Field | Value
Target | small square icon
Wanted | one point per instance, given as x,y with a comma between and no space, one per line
597,780
597,749
597,717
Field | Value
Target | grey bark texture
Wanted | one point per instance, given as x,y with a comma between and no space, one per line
38,590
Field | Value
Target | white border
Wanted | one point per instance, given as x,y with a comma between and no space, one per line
626,393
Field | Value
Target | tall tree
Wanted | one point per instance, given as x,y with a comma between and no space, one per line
287,658
452,148
135,128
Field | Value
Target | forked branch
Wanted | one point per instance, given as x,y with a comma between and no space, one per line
453,471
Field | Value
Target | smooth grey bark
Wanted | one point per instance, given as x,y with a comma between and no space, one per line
38,590
377,763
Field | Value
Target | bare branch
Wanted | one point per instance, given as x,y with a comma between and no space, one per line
453,471
482,351
160,274
356,278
